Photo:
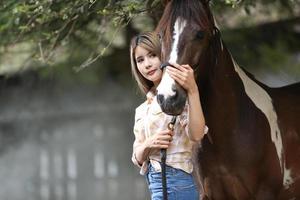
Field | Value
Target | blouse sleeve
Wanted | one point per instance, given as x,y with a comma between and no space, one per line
139,133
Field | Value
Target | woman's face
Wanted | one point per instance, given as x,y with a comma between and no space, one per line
148,64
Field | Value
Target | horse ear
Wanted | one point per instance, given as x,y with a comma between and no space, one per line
165,2
205,2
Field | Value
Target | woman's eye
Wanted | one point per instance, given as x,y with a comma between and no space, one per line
139,60
200,35
152,55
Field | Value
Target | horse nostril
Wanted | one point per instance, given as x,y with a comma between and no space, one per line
176,94
160,98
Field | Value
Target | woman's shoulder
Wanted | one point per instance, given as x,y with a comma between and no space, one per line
140,110
140,107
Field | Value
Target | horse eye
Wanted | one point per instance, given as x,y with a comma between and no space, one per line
173,35
200,35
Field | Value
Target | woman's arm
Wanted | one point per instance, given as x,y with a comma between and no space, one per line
161,140
140,154
184,75
196,119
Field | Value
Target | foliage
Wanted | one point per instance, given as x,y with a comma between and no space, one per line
55,27
49,24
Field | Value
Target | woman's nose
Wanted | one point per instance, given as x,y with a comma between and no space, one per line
147,63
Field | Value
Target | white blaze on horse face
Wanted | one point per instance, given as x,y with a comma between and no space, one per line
178,29
263,101
165,86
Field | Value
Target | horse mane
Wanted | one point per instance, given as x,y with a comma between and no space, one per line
190,10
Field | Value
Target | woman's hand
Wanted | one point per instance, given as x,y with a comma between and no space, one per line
184,76
160,140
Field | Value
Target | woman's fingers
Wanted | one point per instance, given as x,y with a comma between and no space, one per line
188,67
162,139
163,142
182,68
183,75
161,146
177,77
183,72
177,72
177,66
166,132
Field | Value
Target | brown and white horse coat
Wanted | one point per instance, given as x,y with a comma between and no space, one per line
252,150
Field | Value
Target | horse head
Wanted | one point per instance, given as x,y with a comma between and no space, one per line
186,29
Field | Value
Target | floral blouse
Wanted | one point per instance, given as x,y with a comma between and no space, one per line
149,119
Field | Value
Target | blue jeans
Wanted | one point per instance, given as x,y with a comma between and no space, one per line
180,185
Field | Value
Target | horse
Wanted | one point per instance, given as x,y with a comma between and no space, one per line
252,149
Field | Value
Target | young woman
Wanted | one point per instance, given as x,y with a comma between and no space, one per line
150,128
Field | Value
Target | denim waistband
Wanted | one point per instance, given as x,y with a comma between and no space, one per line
169,169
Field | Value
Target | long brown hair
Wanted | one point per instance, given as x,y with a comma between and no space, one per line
151,42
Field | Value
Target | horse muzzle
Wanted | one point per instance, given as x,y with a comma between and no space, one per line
173,105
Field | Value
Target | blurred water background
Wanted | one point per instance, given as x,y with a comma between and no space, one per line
66,130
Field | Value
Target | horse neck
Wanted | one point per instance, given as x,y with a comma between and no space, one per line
221,86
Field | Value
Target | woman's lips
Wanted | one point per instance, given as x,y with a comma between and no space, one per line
151,72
